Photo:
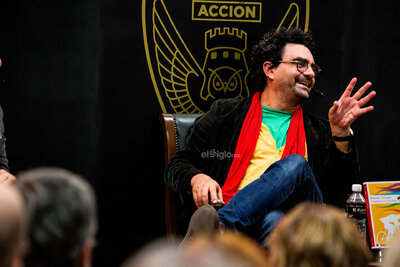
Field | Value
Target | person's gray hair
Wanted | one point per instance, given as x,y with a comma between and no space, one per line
62,213
12,225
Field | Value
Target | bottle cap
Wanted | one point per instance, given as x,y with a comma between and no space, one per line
356,188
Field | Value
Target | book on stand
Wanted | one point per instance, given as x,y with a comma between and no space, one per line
382,201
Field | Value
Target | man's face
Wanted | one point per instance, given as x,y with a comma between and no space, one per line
289,78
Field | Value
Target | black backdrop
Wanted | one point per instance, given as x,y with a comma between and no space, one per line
78,94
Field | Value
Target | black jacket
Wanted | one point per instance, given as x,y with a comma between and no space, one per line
217,131
3,156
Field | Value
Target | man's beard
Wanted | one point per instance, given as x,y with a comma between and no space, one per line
302,87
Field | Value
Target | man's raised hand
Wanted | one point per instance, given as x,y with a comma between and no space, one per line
348,108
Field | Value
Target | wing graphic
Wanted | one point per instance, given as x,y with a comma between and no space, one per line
177,67
292,16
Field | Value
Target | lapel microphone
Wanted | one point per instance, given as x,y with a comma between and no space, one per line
317,92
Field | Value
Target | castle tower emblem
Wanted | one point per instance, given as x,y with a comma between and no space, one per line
225,64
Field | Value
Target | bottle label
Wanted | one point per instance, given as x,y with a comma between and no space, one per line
358,213
356,210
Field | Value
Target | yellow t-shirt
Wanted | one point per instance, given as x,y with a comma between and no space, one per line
265,154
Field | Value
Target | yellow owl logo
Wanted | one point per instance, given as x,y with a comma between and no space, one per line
190,86
225,66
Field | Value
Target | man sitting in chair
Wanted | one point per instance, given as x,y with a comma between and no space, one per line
275,156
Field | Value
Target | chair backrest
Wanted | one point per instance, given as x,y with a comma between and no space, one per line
176,128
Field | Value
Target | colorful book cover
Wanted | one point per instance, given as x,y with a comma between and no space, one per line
383,211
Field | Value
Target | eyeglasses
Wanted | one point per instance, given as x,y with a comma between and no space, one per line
302,66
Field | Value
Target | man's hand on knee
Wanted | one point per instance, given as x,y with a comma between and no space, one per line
205,189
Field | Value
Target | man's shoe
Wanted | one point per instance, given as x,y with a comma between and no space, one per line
204,221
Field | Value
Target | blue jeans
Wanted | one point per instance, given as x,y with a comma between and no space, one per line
256,209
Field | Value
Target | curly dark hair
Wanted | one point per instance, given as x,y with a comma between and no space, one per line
270,48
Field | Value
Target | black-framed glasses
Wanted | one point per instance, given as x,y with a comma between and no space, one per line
302,66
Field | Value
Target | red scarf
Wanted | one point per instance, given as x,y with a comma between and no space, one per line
248,137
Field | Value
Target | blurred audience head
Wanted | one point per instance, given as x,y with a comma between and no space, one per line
243,250
12,227
317,235
391,257
226,250
157,253
61,209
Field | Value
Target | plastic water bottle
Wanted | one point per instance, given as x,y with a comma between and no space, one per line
356,210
